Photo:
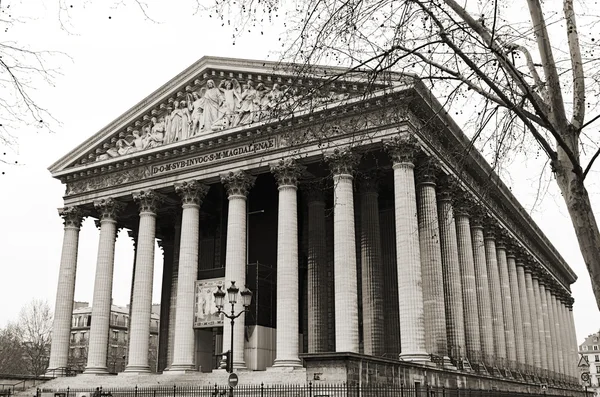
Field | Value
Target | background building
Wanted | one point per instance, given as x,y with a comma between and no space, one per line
590,350
117,338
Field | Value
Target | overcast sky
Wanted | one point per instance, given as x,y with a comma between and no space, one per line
116,59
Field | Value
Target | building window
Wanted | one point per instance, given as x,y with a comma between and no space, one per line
598,369
595,347
115,335
597,358
73,335
584,347
83,336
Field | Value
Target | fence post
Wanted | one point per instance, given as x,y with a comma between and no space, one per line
68,390
262,389
310,389
174,388
135,391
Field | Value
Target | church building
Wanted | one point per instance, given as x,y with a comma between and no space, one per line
379,246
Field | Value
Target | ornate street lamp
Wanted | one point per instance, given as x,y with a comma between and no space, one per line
232,295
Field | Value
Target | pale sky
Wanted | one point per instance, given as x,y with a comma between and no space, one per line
114,63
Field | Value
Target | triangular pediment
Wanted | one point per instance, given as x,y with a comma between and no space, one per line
216,94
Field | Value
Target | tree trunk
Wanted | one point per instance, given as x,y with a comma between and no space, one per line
584,222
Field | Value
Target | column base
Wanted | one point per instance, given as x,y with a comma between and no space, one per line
416,357
287,363
136,369
181,369
448,363
239,365
95,371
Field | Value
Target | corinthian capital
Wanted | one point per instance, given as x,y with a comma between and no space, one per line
342,161
72,216
368,182
148,200
402,148
428,171
237,183
108,208
191,192
287,171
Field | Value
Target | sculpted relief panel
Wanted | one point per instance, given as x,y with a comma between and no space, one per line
216,108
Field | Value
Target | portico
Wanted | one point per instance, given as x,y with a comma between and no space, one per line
472,270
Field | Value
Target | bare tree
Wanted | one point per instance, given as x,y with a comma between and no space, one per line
513,64
35,330
11,351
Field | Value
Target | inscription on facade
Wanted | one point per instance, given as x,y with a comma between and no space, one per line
252,147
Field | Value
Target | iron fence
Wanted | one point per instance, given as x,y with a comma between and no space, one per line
309,390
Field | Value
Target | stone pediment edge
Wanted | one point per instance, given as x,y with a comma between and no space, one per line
217,137
249,66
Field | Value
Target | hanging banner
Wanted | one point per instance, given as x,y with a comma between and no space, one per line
205,310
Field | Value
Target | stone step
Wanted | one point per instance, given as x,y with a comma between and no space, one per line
88,383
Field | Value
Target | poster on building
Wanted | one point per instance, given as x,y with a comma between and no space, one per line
205,310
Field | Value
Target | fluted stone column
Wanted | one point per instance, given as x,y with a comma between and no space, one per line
540,321
533,309
551,322
453,289
287,172
468,283
141,304
491,259
546,321
525,312
573,343
65,292
484,304
317,268
97,347
564,337
371,268
174,283
508,317
410,294
341,163
561,362
192,193
436,341
516,307
237,184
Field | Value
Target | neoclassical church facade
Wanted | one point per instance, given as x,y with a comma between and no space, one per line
378,246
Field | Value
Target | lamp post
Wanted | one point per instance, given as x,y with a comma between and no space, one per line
232,293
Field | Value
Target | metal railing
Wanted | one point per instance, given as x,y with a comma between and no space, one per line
308,390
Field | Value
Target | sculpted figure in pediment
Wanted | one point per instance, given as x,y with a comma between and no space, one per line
232,95
248,105
157,132
196,107
213,99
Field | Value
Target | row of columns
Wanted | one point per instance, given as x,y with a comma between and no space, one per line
461,291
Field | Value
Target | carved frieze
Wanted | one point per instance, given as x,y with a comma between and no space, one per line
108,180
191,192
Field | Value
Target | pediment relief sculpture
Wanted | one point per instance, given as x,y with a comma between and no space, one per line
215,108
